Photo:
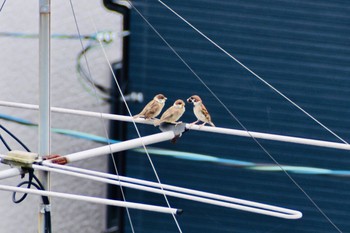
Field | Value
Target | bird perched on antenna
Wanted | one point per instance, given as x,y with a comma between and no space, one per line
200,111
172,114
153,108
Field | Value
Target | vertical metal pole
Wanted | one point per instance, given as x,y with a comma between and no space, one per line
44,98
118,130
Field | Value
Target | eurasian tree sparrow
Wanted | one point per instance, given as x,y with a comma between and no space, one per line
172,114
200,110
153,108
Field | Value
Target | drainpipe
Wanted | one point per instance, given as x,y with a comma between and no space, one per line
118,129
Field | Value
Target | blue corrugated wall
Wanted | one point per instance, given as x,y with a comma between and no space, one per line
300,47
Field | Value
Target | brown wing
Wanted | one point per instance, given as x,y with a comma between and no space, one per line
206,113
167,114
150,109
172,114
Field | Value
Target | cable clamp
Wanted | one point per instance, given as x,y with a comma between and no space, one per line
45,208
54,158
178,129
20,158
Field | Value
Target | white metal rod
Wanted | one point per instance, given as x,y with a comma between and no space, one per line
77,112
44,78
198,196
242,133
121,146
44,95
10,173
96,200
273,137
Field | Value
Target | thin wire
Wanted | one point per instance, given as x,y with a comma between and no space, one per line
3,4
253,73
104,127
239,122
137,130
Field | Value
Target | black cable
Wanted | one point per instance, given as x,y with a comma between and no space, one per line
4,142
46,202
2,6
38,185
14,137
47,221
29,183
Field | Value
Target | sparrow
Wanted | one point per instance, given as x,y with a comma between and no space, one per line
172,114
153,108
200,111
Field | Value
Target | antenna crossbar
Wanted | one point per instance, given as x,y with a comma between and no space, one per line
170,190
220,130
96,200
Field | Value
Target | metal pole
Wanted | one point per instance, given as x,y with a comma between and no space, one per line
44,99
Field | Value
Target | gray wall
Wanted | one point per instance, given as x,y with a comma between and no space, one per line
19,83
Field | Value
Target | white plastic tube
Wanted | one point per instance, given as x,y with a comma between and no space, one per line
10,173
179,192
121,146
96,200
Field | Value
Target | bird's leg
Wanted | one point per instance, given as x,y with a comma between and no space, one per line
193,123
202,125
177,123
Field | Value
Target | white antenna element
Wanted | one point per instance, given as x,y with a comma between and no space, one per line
121,146
10,173
242,133
97,200
179,192
148,186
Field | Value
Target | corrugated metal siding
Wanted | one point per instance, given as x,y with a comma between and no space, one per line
301,48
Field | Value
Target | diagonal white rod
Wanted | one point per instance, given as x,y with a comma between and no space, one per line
179,192
96,200
121,146
242,133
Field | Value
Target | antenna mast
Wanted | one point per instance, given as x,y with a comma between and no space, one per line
44,100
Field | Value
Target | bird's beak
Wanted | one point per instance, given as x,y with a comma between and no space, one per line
189,100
